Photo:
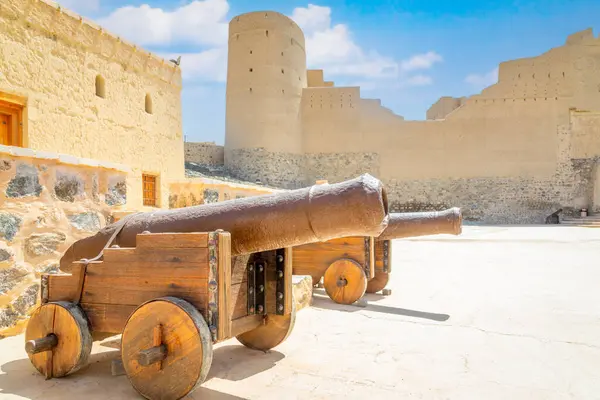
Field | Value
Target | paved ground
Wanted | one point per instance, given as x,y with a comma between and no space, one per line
499,313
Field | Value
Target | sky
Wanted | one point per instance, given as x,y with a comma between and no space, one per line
408,53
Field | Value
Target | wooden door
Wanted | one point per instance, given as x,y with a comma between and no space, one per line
5,132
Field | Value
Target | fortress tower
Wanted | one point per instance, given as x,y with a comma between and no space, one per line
266,73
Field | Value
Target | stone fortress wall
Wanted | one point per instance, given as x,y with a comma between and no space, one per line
266,75
48,202
53,62
207,153
514,153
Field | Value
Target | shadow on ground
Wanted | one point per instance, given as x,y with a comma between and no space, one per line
230,362
322,301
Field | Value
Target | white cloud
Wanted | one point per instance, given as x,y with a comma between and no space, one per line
421,61
199,22
333,49
419,80
80,6
481,81
312,18
205,66
204,23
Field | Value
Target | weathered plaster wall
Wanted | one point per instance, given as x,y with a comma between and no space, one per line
50,58
207,153
47,202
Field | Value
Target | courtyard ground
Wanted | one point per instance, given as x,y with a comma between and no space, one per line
497,313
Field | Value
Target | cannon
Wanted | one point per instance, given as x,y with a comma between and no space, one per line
355,265
175,282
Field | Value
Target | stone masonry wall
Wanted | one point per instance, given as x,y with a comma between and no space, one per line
512,200
337,167
207,153
495,200
47,202
283,170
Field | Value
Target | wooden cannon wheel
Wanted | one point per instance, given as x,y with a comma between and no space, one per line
58,339
276,330
166,349
345,281
379,282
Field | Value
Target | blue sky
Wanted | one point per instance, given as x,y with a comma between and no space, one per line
408,53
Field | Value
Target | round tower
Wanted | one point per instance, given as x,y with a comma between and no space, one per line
266,72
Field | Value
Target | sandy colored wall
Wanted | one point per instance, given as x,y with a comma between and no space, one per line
265,76
443,107
48,201
207,153
196,191
51,58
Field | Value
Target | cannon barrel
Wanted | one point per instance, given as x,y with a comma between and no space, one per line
261,223
402,225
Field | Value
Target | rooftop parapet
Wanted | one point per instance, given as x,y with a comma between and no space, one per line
58,23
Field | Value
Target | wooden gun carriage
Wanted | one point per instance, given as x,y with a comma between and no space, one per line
174,282
353,266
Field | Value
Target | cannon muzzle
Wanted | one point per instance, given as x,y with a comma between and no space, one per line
402,225
357,207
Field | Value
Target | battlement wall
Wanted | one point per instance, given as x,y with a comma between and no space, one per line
267,22
58,23
207,153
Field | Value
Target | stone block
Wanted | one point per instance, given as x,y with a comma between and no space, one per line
68,186
40,244
5,165
9,225
303,290
8,317
47,267
26,300
11,277
6,254
18,308
88,221
25,183
211,196
117,193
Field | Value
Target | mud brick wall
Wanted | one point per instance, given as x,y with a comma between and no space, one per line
47,202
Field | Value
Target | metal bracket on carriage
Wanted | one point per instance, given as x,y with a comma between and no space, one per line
368,257
386,256
256,286
280,276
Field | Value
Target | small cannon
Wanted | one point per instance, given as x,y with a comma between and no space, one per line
351,266
174,282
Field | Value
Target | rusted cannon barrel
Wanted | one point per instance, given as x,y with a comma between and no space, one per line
402,225
357,207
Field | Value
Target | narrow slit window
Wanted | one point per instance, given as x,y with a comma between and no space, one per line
100,86
148,103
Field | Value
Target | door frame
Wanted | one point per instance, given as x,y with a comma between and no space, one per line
14,108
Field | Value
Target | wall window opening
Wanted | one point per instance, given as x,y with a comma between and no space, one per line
148,103
100,86
149,190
